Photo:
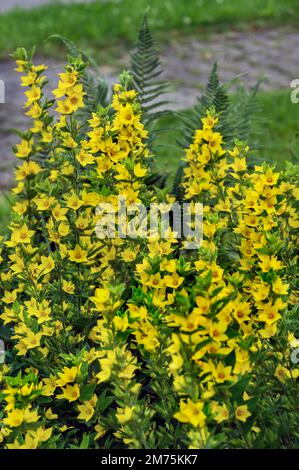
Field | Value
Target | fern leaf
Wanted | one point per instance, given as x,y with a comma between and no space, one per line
146,71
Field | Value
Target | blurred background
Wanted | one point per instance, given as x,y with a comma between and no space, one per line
251,38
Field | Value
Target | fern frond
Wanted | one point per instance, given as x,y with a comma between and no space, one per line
238,112
177,190
214,96
146,71
245,115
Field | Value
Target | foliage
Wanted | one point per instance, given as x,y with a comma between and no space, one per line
144,341
146,71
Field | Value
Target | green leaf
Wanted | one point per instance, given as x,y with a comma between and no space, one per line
85,442
104,402
87,391
238,389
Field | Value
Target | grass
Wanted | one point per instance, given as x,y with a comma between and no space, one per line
4,211
102,24
281,125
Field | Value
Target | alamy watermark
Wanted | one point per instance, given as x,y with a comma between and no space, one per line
159,220
2,92
295,93
2,351
295,356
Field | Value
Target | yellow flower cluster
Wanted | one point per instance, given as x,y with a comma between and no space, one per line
138,342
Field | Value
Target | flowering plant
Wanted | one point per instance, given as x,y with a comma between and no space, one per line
139,342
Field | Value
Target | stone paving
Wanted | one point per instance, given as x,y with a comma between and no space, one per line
252,54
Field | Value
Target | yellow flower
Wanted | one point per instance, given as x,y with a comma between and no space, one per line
279,288
42,312
32,340
21,65
269,313
24,148
39,68
239,164
242,311
49,386
282,373
78,255
31,416
70,393
18,189
68,140
22,235
35,111
44,203
215,140
73,202
84,158
123,415
217,331
68,79
242,413
216,272
173,280
14,419
155,281
242,364
176,363
42,434
86,411
121,323
75,97
209,121
268,331
106,367
220,413
221,373
47,264
64,107
128,255
293,341
27,169
101,296
126,115
63,229
59,213
269,178
191,413
68,287
101,431
50,415
139,172
33,95
68,375
9,297
82,222
21,207
47,135
269,262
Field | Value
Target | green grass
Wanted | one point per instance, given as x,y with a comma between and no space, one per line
101,25
4,211
281,125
